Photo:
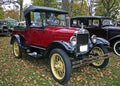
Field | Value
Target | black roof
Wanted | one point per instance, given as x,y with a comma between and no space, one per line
43,9
90,17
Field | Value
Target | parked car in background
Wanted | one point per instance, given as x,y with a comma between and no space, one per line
11,23
21,25
102,27
117,23
46,35
4,30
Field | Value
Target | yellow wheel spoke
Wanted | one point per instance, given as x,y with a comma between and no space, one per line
16,48
58,66
100,53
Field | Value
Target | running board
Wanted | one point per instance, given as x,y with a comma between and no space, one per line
34,54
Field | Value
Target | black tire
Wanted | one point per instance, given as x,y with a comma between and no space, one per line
116,47
60,66
16,49
100,50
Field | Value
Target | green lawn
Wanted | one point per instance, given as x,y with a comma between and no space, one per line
29,71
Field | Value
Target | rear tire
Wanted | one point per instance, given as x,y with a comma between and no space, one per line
100,50
116,47
60,66
16,49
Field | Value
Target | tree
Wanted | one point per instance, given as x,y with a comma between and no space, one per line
12,14
108,8
65,5
48,3
1,13
71,7
38,2
15,3
20,2
80,8
91,6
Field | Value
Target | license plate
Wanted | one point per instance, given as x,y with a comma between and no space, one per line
84,48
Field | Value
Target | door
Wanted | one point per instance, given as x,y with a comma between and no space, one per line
94,27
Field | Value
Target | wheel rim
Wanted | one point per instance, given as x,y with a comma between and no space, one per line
16,48
57,66
99,52
117,48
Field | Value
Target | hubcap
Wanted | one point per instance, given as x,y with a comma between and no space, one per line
99,53
16,48
117,48
58,66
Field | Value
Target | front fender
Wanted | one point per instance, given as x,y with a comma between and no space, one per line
115,37
60,44
102,41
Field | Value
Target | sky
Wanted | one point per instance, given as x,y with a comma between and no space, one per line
28,2
11,6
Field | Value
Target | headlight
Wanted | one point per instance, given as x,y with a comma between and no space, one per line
73,41
94,38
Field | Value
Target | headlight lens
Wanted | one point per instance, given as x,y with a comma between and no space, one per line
73,41
94,38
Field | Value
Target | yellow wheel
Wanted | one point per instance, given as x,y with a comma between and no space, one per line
16,49
60,66
100,51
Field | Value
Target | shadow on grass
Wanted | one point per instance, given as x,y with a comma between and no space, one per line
41,61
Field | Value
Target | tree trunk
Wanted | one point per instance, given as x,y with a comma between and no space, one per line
81,7
46,3
21,10
71,8
65,5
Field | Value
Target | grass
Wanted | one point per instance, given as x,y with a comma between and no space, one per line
29,71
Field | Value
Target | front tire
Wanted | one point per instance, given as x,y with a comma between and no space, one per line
116,48
60,66
16,49
100,51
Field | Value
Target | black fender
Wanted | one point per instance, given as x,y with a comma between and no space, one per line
113,40
103,41
115,37
17,37
60,44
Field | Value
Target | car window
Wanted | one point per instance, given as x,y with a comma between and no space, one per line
74,23
56,19
96,22
36,20
107,22
93,23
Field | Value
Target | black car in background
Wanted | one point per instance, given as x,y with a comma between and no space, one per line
102,27
4,30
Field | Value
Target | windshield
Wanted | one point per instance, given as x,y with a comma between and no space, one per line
107,22
39,19
2,23
56,19
12,23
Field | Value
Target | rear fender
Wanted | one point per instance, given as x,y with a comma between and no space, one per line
16,37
